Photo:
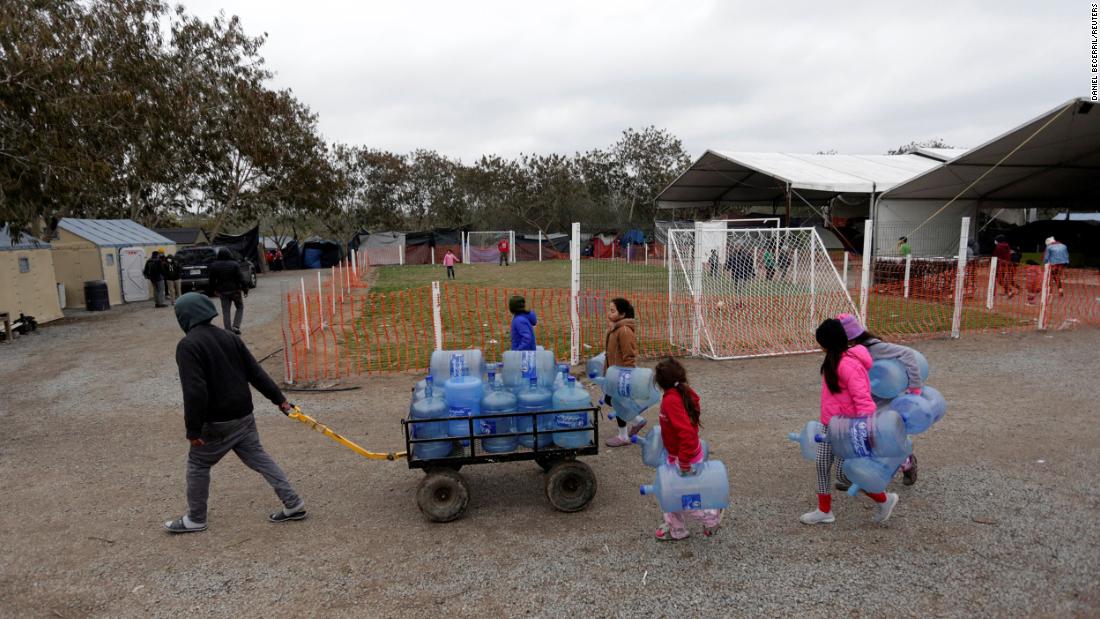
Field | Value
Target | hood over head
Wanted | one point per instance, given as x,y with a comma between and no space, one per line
194,309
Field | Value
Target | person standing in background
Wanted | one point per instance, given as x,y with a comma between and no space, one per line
449,262
1057,256
171,277
903,246
229,284
1006,267
503,247
154,272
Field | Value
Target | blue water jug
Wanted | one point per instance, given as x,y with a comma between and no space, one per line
873,474
594,366
443,362
919,412
497,400
570,396
521,365
889,378
936,399
881,435
463,394
560,375
534,399
419,389
430,406
654,453
807,439
632,390
707,488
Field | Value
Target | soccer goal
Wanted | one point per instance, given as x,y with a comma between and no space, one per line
750,292
481,246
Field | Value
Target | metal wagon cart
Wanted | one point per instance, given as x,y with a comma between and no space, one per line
443,494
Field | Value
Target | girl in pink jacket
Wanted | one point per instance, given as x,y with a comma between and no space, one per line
846,391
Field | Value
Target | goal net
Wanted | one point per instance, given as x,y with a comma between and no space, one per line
481,246
747,292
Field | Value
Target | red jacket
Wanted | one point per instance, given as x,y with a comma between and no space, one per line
502,246
679,434
1003,253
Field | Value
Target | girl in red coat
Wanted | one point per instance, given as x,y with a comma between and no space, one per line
680,433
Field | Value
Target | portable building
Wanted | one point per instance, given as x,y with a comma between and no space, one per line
112,250
28,284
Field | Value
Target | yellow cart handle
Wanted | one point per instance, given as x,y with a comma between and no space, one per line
298,415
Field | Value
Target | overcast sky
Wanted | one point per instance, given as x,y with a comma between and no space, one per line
473,77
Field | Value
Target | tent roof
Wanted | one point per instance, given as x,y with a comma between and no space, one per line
1061,162
941,154
721,176
25,241
183,236
113,232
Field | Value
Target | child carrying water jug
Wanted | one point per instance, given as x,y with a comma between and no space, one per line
621,347
845,390
680,432
879,349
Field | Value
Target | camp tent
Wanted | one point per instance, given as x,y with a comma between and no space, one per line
247,244
184,237
112,250
318,253
385,248
28,284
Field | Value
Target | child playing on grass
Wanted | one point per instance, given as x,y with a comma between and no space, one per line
858,336
845,390
622,351
449,262
523,324
680,433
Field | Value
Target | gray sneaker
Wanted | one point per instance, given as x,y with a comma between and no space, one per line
882,514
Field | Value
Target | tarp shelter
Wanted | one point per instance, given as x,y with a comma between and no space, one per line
247,244
292,255
28,284
385,248
112,250
184,237
1050,161
603,244
318,253
358,240
418,247
444,239
555,246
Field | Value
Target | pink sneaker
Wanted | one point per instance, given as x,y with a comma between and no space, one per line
664,534
633,428
615,441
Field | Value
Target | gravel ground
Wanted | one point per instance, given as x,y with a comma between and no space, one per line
1002,522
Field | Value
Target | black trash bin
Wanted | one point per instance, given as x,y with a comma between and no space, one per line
95,296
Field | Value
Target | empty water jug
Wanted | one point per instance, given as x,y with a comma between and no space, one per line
889,377
920,412
534,399
572,396
442,362
560,375
653,450
881,435
807,439
594,366
496,400
872,474
430,406
708,487
521,365
463,395
632,390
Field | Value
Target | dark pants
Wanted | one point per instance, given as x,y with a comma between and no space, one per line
234,298
504,258
241,437
450,272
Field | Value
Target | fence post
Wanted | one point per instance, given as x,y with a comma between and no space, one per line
991,291
813,278
354,263
908,267
437,317
697,292
332,280
401,254
305,311
320,301
960,278
540,244
846,287
645,247
511,247
288,342
1043,298
574,294
865,276
794,268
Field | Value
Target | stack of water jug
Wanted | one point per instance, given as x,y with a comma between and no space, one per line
482,399
873,448
632,391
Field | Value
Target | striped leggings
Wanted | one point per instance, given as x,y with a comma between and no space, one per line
825,460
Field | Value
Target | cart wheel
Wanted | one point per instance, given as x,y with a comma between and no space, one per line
442,495
545,464
570,485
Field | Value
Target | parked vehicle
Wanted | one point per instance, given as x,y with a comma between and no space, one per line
195,266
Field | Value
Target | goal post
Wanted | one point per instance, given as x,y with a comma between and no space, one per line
748,292
481,246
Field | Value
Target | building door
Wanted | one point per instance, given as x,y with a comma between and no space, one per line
131,262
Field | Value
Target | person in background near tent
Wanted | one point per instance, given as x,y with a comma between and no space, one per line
449,262
858,336
1006,267
769,263
845,390
712,263
973,251
216,369
502,247
523,324
172,277
229,284
903,246
1057,256
1033,280
680,431
621,350
154,272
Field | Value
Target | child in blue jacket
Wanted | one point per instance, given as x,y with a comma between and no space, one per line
523,324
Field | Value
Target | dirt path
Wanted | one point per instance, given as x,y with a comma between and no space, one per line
92,451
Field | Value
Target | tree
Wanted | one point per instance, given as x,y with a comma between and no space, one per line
912,146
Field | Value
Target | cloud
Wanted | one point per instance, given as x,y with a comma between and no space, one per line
474,77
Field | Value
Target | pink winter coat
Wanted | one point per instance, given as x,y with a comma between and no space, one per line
854,399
